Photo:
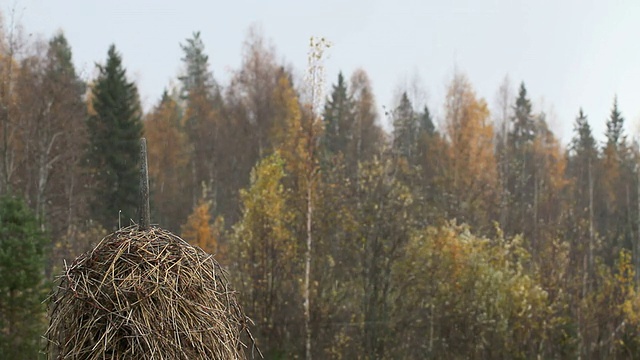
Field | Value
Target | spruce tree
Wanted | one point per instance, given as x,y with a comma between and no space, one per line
520,192
405,125
114,132
615,127
582,161
339,118
197,77
524,127
617,215
582,165
583,141
22,287
201,120
425,122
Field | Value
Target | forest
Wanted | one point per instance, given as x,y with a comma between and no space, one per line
477,234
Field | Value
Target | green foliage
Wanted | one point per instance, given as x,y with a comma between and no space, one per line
615,126
22,285
458,295
425,122
405,128
60,53
619,178
384,221
266,257
197,76
115,129
583,141
386,269
524,128
200,121
338,118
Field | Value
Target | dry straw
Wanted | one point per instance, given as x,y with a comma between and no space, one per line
145,293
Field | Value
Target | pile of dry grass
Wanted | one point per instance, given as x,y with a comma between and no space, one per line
145,294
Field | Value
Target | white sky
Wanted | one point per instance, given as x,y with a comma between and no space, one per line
569,53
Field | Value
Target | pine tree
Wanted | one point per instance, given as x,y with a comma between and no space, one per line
22,288
114,132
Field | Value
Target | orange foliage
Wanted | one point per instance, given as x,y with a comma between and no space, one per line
199,231
471,175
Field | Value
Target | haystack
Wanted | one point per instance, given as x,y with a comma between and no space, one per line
145,293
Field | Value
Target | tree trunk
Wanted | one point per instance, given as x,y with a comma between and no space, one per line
591,219
307,275
143,205
636,248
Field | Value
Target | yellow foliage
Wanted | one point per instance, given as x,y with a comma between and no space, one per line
458,281
89,101
167,143
289,133
471,175
551,158
198,230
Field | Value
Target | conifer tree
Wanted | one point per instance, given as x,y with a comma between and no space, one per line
425,122
405,125
22,290
431,151
583,156
582,162
615,215
114,132
338,119
197,76
524,128
200,119
615,126
520,179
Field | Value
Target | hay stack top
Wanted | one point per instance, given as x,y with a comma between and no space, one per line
145,294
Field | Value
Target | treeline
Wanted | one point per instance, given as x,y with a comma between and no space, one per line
473,235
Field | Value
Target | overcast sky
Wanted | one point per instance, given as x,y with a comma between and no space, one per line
570,54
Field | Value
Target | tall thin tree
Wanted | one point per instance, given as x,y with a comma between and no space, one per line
114,129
